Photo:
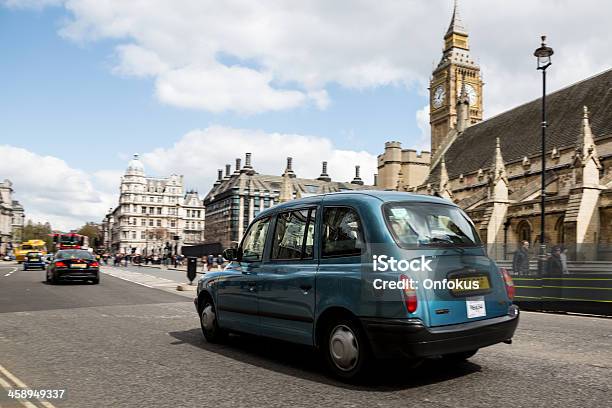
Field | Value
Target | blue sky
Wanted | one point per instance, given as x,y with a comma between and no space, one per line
61,98
193,84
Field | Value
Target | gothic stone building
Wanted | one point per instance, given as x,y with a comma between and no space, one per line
152,211
492,168
236,198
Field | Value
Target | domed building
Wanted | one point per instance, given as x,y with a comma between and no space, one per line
155,215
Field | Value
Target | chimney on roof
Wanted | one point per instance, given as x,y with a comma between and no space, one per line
228,171
238,165
247,162
324,176
219,177
289,169
357,180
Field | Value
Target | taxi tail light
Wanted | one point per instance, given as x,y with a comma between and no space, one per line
94,264
509,283
410,295
60,264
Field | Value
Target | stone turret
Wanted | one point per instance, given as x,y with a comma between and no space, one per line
463,108
444,189
498,177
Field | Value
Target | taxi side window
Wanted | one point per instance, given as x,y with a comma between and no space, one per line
294,235
342,232
255,240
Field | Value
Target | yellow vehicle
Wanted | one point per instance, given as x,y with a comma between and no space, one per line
33,245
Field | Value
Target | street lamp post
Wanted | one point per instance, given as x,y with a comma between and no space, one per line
543,54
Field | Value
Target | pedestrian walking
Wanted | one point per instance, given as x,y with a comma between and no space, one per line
563,256
520,261
220,261
554,266
209,261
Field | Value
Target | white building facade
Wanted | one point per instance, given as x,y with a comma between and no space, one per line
155,216
11,218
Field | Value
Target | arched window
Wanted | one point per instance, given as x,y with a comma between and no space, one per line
524,231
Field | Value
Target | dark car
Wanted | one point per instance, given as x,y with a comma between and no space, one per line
73,264
34,260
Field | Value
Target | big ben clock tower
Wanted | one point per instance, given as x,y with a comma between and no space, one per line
455,66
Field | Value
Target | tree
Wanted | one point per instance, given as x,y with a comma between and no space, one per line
92,231
38,230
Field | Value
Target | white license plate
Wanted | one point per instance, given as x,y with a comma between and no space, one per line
78,266
475,307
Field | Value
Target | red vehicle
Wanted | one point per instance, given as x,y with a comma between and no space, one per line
70,241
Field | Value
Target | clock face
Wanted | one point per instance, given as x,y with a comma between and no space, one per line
438,96
471,92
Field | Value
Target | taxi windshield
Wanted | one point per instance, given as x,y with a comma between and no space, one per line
429,225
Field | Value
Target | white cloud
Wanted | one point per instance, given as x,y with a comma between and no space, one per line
422,121
199,154
50,190
252,56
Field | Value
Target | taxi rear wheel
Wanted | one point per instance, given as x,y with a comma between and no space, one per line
346,350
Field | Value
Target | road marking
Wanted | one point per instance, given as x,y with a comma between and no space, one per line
9,274
19,384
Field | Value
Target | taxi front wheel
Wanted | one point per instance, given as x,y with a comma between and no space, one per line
210,327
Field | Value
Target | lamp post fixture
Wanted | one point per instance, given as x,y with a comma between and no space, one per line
543,54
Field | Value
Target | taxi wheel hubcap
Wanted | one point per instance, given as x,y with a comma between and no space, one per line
208,318
344,348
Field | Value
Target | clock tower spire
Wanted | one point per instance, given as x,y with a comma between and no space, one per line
455,68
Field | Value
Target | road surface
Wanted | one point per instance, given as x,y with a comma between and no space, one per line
125,344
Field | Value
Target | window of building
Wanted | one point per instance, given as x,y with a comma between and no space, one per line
133,234
144,210
159,223
150,223
342,232
143,235
254,241
293,235
143,222
173,223
159,211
